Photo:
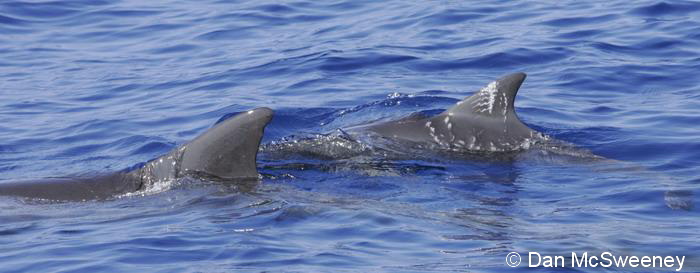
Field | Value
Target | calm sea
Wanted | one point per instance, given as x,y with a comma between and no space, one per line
93,86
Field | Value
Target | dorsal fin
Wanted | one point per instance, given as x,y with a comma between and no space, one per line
496,99
228,150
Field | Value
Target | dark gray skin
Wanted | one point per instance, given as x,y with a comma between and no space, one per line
485,121
226,151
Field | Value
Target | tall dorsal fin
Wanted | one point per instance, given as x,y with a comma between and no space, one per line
496,99
229,149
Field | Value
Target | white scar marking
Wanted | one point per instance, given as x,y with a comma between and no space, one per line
447,120
427,124
487,97
250,112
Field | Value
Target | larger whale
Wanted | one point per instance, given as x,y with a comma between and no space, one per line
227,151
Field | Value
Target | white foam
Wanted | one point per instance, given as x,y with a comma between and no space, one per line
157,187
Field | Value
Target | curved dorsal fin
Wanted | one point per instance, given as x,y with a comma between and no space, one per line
496,99
229,149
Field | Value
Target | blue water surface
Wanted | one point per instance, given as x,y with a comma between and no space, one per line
93,86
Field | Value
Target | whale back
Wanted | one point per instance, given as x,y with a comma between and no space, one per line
484,121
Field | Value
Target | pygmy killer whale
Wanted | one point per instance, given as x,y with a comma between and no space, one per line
227,151
485,121
483,126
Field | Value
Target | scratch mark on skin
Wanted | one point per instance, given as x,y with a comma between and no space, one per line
487,98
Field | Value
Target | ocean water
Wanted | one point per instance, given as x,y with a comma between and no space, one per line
98,86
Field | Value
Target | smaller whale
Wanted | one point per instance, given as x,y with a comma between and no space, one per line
227,151
484,121
481,126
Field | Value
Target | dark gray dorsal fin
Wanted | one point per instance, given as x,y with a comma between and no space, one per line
485,121
228,150
497,99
